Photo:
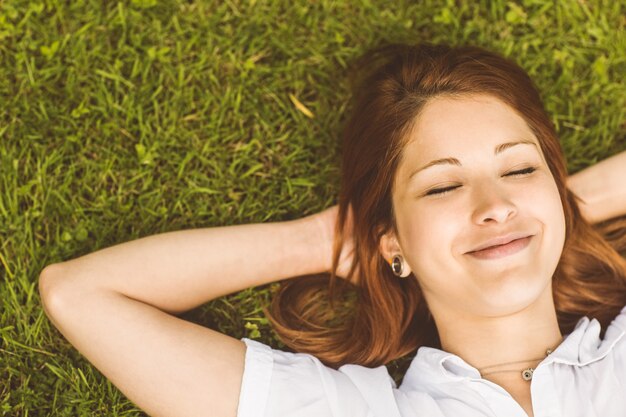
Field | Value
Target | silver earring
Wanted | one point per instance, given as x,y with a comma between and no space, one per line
396,265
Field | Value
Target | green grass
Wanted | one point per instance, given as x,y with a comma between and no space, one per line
121,120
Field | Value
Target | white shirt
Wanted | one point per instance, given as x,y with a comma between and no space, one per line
584,376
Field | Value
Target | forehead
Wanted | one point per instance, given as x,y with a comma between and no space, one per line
454,127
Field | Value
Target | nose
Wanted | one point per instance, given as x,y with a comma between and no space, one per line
492,204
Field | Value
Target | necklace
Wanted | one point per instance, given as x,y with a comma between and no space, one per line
527,374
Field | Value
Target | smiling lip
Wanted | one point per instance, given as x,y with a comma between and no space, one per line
500,240
499,251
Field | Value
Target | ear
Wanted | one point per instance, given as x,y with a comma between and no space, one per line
389,247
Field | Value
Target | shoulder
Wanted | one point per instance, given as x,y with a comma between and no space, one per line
614,336
285,383
593,370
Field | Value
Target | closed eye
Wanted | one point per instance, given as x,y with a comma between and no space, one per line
446,190
528,170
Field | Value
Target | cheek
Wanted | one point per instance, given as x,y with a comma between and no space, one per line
429,236
549,206
558,219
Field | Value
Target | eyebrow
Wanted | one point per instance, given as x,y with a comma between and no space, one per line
453,161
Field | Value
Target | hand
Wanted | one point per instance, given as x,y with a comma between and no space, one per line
326,221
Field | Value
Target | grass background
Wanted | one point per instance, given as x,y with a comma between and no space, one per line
124,119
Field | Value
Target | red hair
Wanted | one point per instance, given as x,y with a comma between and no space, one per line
387,317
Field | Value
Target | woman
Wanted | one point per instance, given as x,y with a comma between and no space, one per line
457,232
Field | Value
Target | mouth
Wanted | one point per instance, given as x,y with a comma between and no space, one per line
500,251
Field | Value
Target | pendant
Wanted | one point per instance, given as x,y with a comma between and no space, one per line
527,374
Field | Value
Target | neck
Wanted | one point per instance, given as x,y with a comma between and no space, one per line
486,342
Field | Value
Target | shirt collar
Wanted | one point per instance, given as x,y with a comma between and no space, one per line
581,347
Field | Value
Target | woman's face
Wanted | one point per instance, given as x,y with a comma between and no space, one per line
489,181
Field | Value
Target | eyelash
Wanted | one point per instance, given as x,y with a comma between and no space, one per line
442,191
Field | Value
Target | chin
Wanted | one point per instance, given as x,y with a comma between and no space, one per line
514,300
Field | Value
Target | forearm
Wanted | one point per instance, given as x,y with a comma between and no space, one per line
178,271
602,187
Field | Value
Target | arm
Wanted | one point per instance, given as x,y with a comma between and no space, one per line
112,306
602,187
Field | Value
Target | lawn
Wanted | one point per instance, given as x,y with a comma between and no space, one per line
125,119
